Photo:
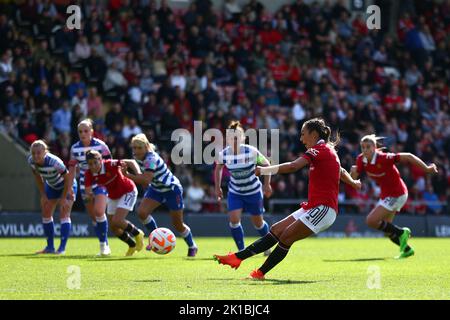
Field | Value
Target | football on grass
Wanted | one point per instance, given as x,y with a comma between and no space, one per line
162,240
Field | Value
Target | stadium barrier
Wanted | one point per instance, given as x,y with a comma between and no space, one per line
364,205
28,224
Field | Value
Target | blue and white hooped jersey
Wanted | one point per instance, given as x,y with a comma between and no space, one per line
163,179
52,171
78,153
242,169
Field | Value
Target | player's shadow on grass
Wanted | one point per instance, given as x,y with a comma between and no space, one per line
357,260
267,281
283,282
106,259
18,255
60,257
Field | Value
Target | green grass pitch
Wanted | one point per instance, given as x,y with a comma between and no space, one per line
314,269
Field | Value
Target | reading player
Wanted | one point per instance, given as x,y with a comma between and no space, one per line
122,196
245,191
162,188
96,205
380,167
55,186
314,216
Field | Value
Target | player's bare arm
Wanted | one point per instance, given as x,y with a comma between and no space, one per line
142,178
354,172
347,179
287,167
67,186
39,183
267,188
131,164
71,175
218,181
407,157
89,194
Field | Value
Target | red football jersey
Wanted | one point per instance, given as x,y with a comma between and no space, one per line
383,171
324,176
112,178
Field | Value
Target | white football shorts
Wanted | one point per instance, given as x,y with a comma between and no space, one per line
317,219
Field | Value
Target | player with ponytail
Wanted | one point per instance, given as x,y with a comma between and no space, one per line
380,167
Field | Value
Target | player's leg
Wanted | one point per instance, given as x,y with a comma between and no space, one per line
184,231
306,224
261,245
174,201
99,208
401,241
236,229
235,208
48,207
89,205
151,200
99,220
380,218
294,232
255,206
145,210
66,224
119,224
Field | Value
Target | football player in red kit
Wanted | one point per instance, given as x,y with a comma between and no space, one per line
380,167
314,216
122,196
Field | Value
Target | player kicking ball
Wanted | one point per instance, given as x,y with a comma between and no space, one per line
122,196
317,215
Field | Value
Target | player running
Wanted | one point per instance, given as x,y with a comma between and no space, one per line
122,196
55,186
380,167
314,216
96,206
162,188
245,191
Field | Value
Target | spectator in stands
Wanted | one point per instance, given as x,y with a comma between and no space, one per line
5,66
194,197
94,104
172,68
81,100
131,129
430,195
114,80
62,117
82,50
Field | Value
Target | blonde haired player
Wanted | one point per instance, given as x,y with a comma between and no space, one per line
380,167
55,186
162,188
96,206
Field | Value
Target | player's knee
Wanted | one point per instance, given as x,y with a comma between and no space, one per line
142,214
178,225
286,239
372,222
116,221
276,230
115,230
258,223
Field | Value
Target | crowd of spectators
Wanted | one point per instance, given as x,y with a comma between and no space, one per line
142,66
